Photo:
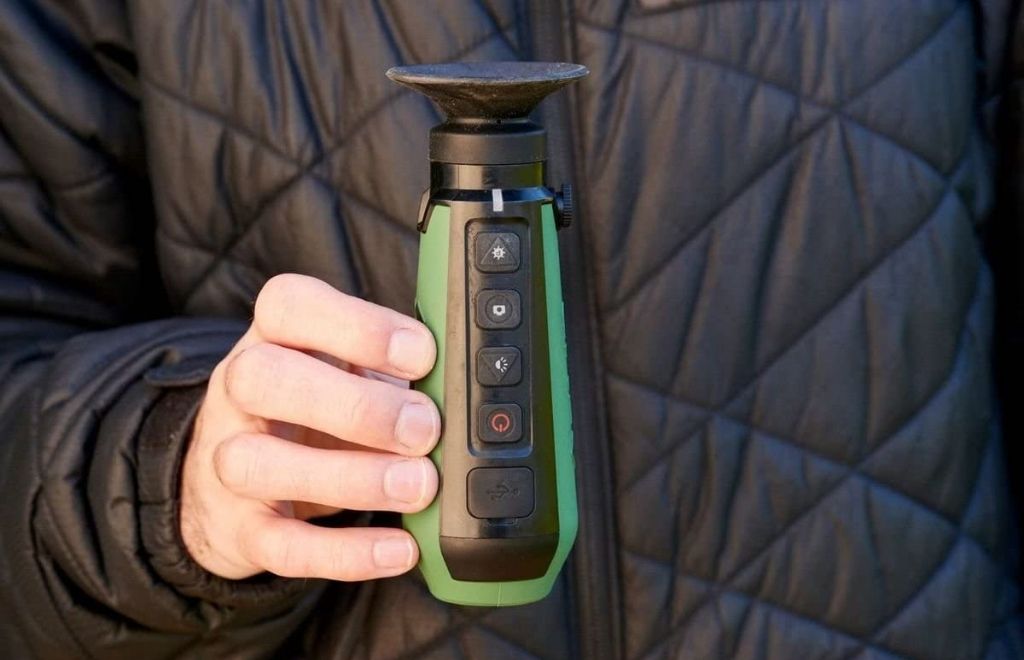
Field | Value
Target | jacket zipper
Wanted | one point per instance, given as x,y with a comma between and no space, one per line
594,577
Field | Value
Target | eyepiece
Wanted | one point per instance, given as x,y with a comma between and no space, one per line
487,91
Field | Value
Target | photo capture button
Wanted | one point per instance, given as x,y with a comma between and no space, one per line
499,365
500,492
500,422
497,252
497,309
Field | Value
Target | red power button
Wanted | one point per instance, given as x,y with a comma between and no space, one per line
500,422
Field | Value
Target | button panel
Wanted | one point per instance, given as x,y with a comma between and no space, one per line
499,291
500,492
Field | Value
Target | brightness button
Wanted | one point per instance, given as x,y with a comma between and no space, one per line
497,252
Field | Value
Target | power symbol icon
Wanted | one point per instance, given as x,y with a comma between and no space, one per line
500,422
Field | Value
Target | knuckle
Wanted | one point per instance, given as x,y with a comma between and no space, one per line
237,462
302,484
250,374
281,555
246,545
342,484
276,300
359,408
339,563
272,552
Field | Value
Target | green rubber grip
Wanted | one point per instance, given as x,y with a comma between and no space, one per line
432,302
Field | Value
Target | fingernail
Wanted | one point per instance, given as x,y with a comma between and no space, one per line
416,427
409,350
406,481
393,553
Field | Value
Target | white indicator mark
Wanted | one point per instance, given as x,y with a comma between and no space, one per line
497,200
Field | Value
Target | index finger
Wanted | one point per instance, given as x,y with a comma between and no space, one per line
308,314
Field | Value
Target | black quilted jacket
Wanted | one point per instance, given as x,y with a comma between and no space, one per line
781,312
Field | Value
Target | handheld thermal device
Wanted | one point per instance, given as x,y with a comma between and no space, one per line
489,288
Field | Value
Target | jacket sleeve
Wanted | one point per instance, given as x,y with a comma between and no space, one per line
97,386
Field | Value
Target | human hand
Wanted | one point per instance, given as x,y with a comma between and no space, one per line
308,415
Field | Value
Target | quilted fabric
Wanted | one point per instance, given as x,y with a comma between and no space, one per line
803,483
791,314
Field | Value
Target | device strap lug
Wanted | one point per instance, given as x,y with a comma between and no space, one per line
423,217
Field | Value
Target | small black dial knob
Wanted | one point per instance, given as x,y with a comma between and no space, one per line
564,206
